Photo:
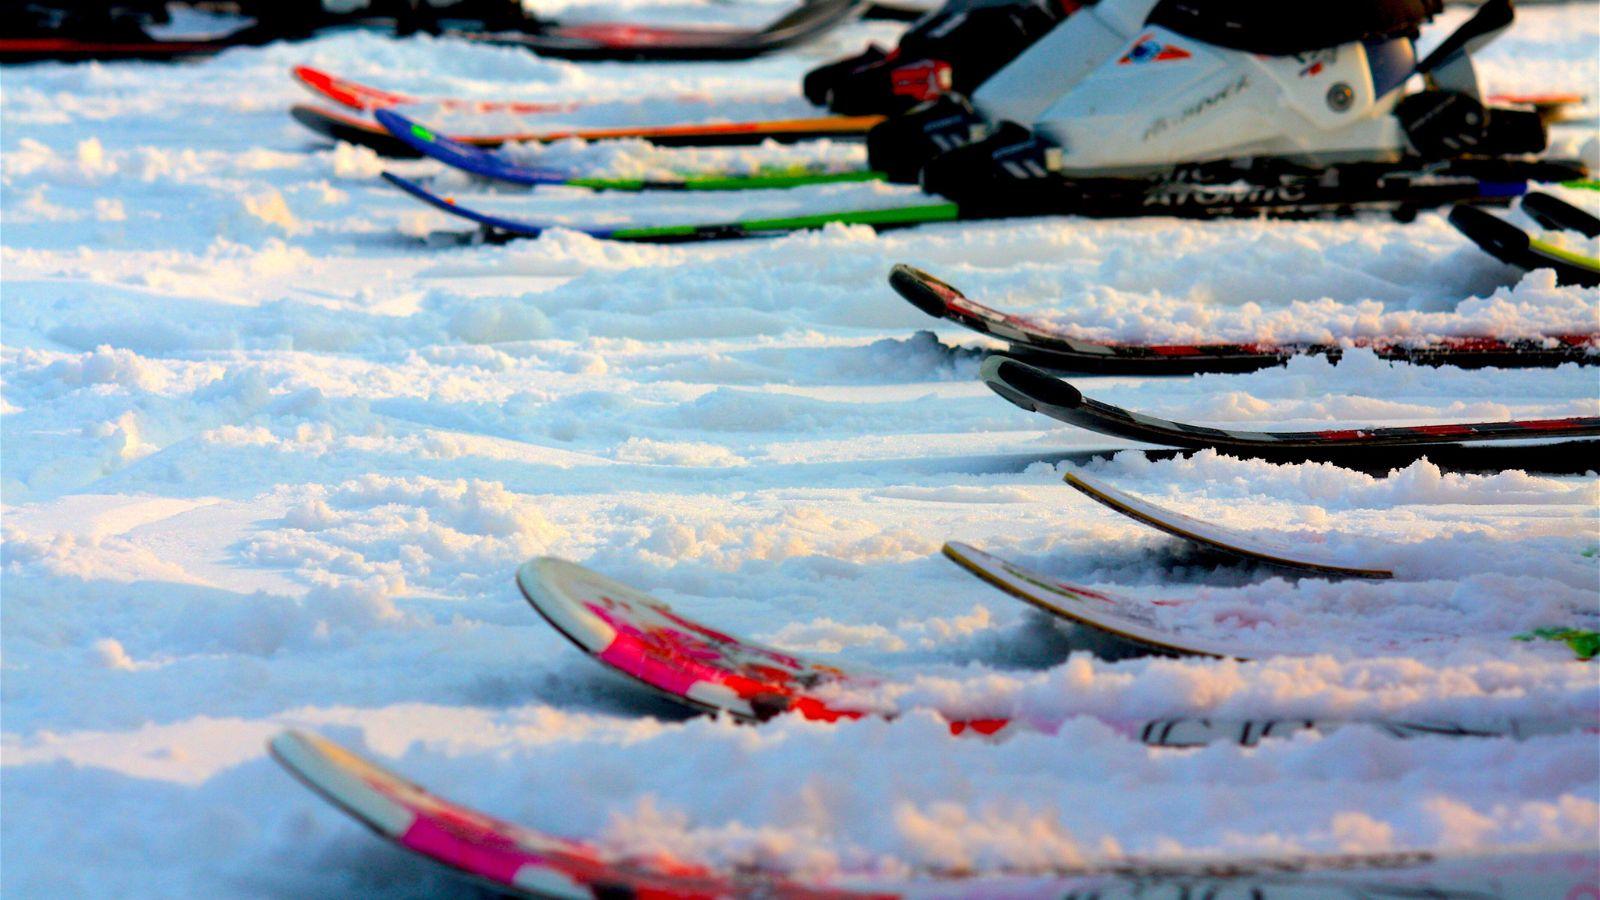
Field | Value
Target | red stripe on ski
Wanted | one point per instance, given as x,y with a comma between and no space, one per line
355,95
622,35
1548,424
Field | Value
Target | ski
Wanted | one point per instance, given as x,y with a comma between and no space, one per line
1057,348
709,670
1559,215
645,43
1552,106
355,129
360,97
365,98
26,50
1513,246
1306,560
502,228
1038,391
1100,201
1137,622
524,862
495,165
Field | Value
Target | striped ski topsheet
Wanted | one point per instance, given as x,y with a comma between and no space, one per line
530,863
1038,391
1060,347
1303,557
496,165
355,129
889,217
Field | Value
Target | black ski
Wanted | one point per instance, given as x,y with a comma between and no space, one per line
1513,246
1038,391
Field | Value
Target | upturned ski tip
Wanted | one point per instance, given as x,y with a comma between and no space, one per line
924,291
1027,387
1555,214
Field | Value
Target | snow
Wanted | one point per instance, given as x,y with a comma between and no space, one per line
270,461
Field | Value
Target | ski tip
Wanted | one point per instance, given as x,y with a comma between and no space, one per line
402,127
1026,386
959,552
1555,214
534,573
924,291
292,747
308,115
1495,235
554,588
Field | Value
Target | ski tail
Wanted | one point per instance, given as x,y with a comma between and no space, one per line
474,160
1556,214
345,92
1513,246
349,129
925,292
446,204
1306,560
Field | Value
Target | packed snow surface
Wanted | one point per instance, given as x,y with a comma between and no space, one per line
270,460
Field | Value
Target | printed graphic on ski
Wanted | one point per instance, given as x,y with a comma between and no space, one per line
642,637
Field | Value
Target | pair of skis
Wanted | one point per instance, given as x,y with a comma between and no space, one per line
1402,193
1513,246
